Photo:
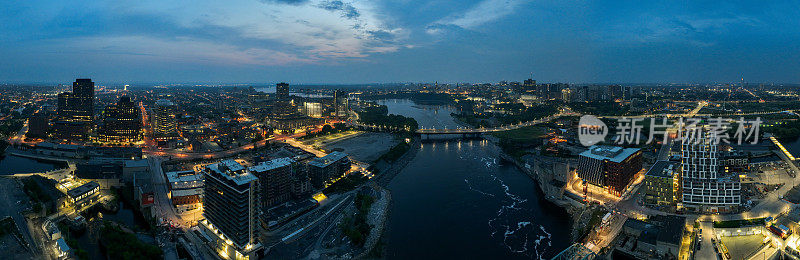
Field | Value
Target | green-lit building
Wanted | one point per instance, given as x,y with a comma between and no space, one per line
662,184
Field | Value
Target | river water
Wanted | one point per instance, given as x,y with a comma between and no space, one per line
457,200
11,164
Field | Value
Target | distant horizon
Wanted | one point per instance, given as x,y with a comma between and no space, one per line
267,84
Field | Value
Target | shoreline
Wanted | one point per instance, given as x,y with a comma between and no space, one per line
383,181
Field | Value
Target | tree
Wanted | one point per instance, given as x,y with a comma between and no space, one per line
327,129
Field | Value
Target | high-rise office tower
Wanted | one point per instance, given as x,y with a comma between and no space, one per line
38,125
282,91
165,125
704,188
341,103
230,208
83,100
275,178
122,122
75,111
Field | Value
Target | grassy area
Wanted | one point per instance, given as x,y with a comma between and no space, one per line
515,142
72,242
606,108
739,223
395,153
326,130
6,226
345,184
40,190
786,130
524,134
3,145
123,245
355,227
594,220
379,115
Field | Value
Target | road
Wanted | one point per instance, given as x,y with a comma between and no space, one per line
496,129
162,204
180,155
20,136
706,247
307,148
12,203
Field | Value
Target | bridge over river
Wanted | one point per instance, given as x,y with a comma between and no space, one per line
475,132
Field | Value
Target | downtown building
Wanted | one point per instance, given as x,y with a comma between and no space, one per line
278,178
165,125
185,190
609,167
327,169
230,208
285,115
38,125
122,122
662,184
341,104
75,112
704,186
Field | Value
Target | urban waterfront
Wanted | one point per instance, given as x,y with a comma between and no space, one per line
457,199
360,129
11,164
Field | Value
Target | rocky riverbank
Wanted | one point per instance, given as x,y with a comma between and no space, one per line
554,193
388,170
378,214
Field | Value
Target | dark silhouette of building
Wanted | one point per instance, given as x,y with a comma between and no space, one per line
325,169
341,103
282,91
38,125
122,122
75,111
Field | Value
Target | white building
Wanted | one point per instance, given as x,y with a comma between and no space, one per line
313,109
704,188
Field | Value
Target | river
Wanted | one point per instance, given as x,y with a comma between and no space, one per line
11,164
457,200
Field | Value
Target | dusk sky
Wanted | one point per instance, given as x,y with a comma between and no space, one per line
313,41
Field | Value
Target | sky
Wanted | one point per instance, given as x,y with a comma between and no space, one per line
387,41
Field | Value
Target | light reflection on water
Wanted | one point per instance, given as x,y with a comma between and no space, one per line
460,201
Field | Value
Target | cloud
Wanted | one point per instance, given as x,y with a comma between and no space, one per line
295,31
698,30
290,2
482,13
346,9
180,50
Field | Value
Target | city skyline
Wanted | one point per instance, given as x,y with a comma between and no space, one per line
356,42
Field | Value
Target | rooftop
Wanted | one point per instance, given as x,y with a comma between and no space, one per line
664,169
181,176
80,190
272,164
612,153
671,228
164,102
232,165
327,159
136,163
233,171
